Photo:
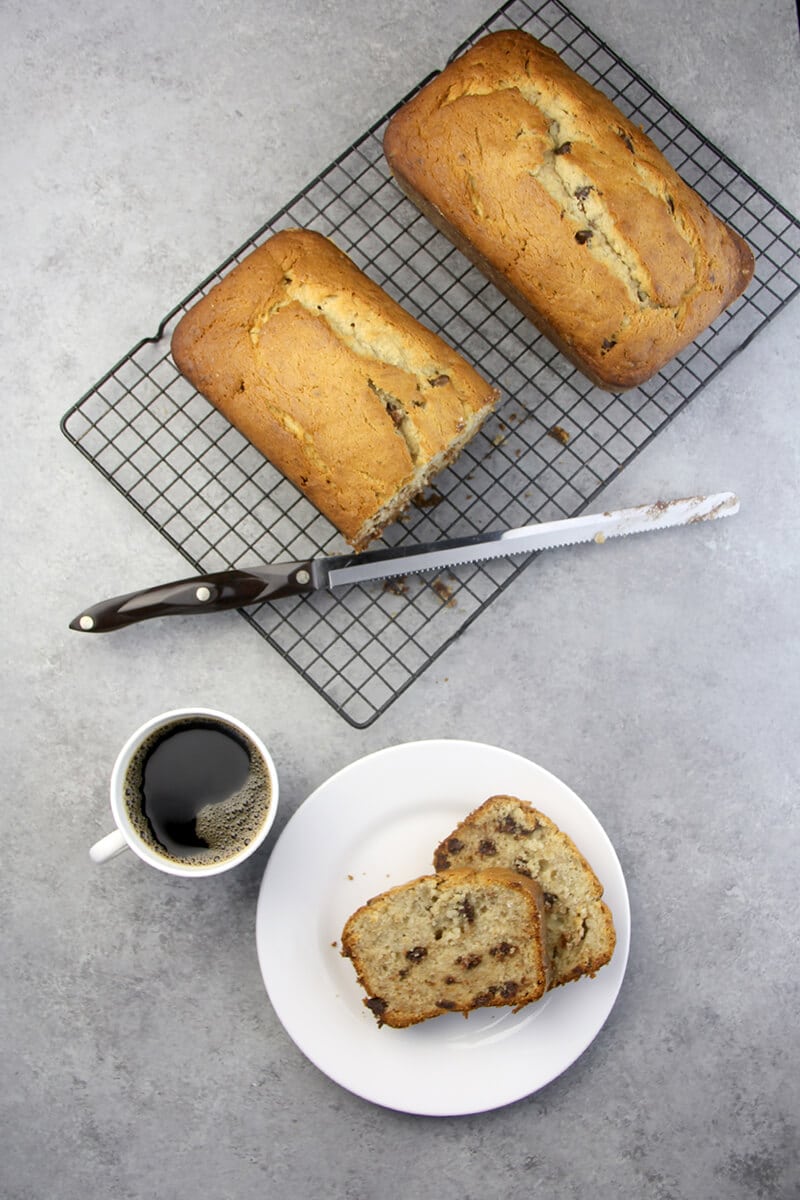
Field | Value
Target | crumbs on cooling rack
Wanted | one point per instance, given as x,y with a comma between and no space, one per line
559,434
397,587
428,501
444,592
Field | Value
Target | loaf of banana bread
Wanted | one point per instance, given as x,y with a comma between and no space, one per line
334,382
567,206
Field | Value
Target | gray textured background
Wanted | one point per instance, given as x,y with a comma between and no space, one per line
140,1056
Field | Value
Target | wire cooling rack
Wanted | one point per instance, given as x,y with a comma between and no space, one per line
553,444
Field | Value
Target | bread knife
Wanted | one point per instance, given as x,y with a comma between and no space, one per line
240,587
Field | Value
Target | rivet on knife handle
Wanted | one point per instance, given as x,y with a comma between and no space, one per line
201,593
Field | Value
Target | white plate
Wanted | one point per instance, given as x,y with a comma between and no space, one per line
376,824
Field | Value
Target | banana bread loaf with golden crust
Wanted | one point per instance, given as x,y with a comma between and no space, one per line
333,381
508,832
567,206
450,942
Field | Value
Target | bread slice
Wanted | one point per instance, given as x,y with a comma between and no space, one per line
511,833
450,942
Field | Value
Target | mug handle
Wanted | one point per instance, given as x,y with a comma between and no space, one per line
108,847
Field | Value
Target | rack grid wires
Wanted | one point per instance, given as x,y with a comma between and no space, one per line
554,443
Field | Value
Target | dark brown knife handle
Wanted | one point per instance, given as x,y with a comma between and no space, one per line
201,593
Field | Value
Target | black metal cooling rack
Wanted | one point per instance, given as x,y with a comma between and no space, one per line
217,500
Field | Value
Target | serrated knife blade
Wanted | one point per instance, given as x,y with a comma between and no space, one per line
240,587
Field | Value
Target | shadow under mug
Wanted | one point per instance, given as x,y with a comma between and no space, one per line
126,836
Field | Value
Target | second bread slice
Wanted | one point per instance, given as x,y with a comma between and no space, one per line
451,942
511,833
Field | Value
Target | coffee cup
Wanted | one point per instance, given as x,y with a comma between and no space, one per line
194,792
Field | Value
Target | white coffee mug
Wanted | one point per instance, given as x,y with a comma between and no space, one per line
126,836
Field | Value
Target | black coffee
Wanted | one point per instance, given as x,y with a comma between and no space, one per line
196,792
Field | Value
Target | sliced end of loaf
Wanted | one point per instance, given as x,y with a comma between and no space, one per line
394,507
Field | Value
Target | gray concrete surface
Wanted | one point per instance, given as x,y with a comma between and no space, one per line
139,1055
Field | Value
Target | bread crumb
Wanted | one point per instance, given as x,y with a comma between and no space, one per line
397,587
428,501
559,434
599,538
444,593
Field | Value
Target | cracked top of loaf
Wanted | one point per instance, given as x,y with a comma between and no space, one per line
343,390
567,206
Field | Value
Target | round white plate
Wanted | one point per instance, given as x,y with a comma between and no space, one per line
376,824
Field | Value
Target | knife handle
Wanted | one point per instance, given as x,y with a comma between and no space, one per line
201,593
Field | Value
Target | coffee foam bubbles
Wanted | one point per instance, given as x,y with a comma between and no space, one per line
230,826
227,827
